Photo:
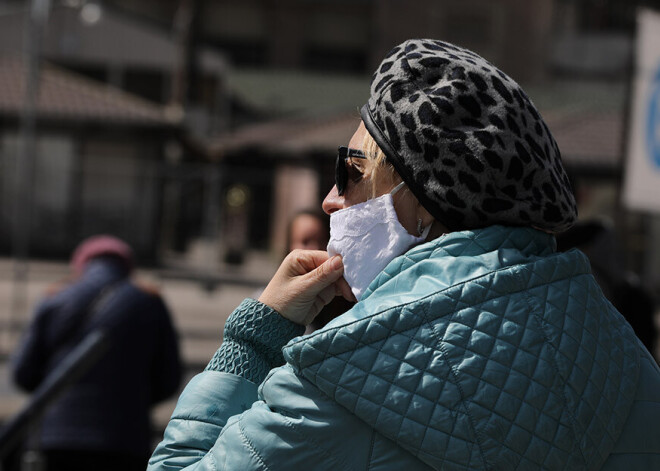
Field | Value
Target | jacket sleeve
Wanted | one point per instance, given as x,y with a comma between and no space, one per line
166,372
253,339
30,360
293,426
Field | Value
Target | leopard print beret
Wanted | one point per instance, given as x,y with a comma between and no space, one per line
467,140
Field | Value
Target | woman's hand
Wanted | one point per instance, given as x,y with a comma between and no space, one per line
306,281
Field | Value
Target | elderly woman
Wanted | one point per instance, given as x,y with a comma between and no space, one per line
473,344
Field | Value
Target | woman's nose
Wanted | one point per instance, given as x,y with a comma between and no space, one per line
332,202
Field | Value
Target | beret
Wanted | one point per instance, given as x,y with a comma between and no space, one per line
467,140
100,245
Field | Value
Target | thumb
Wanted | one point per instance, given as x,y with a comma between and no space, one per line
325,274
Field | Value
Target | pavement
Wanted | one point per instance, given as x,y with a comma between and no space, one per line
200,301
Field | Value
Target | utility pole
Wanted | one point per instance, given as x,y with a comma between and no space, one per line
185,23
185,96
25,158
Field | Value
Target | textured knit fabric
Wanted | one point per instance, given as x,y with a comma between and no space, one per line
253,339
107,410
481,350
466,139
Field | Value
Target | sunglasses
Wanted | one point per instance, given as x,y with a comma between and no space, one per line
342,167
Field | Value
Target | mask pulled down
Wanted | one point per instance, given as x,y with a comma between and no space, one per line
368,236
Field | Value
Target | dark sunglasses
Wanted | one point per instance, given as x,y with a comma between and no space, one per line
341,172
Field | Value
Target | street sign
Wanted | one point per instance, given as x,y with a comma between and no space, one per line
642,174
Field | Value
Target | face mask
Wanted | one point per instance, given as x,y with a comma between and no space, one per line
368,236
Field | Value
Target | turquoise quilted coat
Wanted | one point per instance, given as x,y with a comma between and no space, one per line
480,350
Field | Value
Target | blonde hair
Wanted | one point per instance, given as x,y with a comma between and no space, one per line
379,169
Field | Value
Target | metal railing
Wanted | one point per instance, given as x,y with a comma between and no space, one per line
83,357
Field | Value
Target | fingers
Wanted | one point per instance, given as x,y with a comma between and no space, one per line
322,299
306,281
314,311
327,294
343,289
326,274
302,262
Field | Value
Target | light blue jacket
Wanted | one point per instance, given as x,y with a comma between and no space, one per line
480,350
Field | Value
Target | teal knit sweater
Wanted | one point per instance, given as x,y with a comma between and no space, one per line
254,335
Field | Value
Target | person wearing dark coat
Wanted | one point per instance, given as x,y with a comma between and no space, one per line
102,421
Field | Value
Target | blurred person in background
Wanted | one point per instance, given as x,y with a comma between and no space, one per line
474,344
308,229
102,421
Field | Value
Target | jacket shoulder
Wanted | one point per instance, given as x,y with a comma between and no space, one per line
495,377
148,288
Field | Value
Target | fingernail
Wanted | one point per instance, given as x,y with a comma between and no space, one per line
336,263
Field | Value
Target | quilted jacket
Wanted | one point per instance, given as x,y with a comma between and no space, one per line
481,350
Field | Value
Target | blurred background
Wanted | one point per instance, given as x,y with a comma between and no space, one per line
194,129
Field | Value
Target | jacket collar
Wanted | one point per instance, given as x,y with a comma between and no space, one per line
526,241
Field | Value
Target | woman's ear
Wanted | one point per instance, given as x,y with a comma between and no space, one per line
425,219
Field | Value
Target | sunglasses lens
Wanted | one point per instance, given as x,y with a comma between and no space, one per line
340,175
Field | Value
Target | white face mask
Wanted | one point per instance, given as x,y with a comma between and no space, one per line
368,236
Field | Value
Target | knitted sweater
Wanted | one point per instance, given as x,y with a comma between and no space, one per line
253,339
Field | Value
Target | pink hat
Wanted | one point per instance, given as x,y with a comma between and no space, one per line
98,245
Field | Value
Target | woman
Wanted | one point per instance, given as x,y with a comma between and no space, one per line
481,348
307,230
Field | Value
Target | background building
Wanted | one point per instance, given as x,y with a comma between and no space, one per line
97,156
265,90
